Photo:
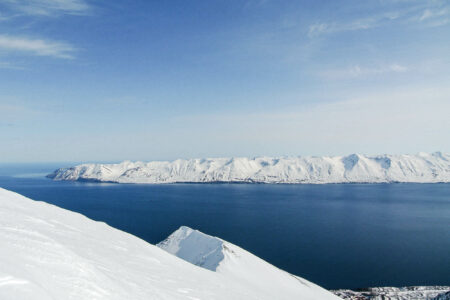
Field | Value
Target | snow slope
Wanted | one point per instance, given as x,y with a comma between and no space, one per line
50,253
421,167
231,261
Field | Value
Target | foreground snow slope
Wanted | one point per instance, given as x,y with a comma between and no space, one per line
422,167
234,262
50,253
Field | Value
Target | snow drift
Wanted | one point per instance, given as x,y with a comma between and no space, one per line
50,253
422,167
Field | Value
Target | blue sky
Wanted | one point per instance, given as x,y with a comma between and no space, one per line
88,80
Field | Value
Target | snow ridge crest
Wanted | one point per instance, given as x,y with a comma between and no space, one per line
354,168
195,247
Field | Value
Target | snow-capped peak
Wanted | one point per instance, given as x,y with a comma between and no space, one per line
195,247
231,261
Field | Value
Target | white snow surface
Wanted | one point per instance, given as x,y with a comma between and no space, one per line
47,252
232,261
422,167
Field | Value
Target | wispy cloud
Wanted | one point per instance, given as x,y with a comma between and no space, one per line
37,47
435,17
13,9
10,66
358,71
47,7
433,13
359,24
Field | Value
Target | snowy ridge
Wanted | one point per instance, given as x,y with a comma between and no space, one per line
422,167
50,253
231,261
195,247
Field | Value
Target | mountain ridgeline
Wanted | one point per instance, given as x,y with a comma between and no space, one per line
354,168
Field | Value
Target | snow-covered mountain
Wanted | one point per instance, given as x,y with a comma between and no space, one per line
421,167
215,254
50,253
231,261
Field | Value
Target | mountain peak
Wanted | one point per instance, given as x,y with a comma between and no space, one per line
231,261
195,247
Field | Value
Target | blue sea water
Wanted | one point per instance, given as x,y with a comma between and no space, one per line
336,235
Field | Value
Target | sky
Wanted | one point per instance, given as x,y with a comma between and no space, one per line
91,80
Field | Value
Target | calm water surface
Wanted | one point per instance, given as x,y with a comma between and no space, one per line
338,236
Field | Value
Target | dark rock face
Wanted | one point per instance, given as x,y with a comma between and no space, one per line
395,293
445,296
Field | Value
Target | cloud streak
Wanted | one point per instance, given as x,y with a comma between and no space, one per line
359,24
38,47
358,71
435,17
48,7
10,66
432,14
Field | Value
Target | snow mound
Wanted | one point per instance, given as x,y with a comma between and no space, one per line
231,261
50,253
422,167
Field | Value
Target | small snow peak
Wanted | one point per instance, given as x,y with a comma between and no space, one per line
184,229
423,154
195,247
